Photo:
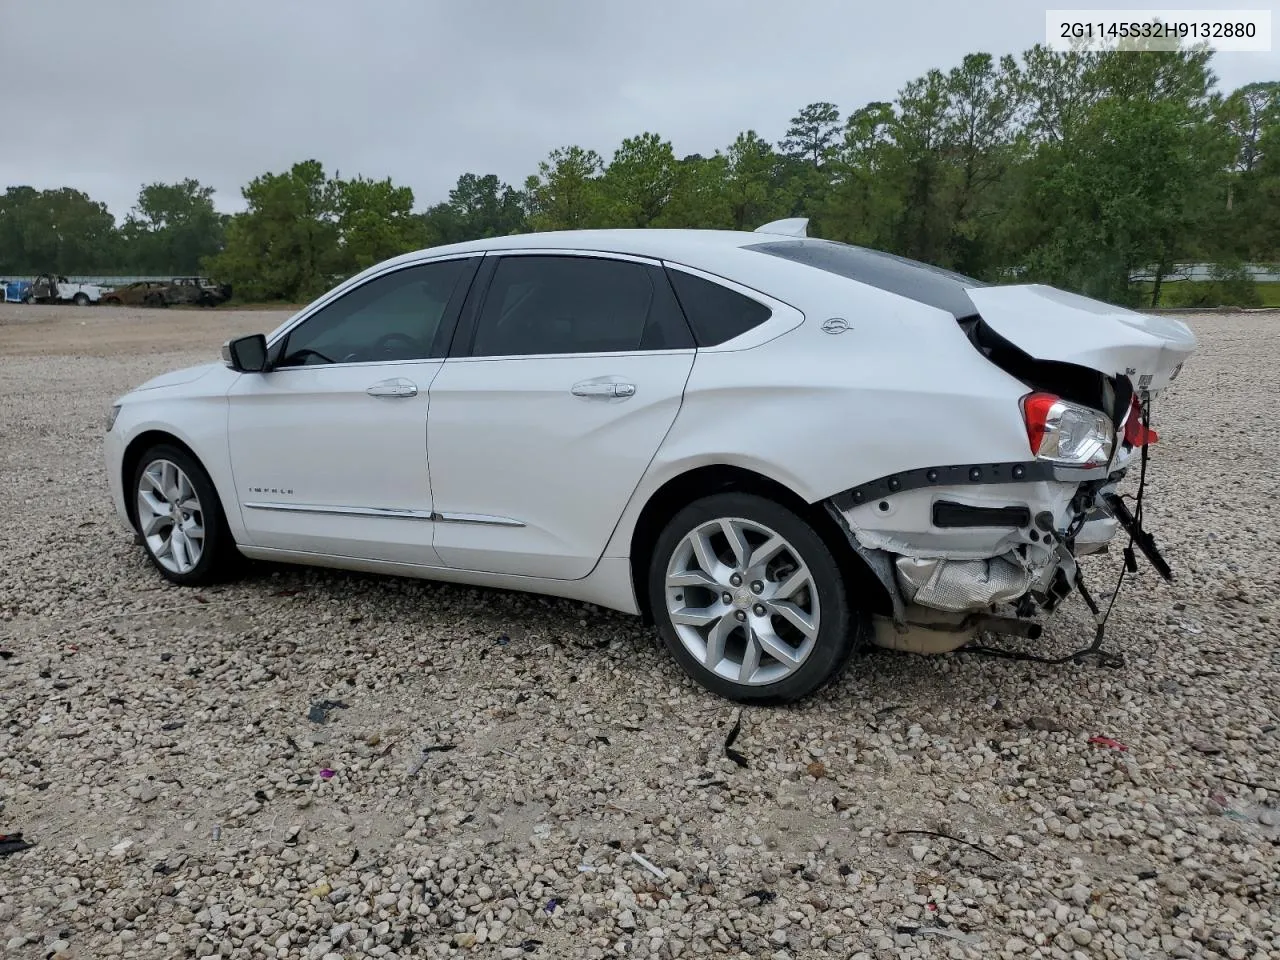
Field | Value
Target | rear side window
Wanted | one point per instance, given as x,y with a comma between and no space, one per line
716,314
558,305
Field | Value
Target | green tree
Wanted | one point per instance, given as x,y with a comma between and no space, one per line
980,134
863,201
60,231
814,134
699,195
282,246
173,227
565,192
478,207
920,130
1132,185
753,186
639,181
375,221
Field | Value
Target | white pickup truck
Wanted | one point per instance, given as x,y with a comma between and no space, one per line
47,288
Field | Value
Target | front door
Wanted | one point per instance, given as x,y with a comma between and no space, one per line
563,381
329,448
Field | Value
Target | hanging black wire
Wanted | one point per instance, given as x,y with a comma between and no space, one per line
1128,564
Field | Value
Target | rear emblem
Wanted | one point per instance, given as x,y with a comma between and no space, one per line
836,325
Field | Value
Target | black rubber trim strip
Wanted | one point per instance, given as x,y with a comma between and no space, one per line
879,563
947,513
959,475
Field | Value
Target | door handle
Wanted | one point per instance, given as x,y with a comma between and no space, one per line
397,387
604,390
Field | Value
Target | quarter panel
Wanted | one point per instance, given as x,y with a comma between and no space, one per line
903,388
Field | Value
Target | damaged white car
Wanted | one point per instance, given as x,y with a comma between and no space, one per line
778,448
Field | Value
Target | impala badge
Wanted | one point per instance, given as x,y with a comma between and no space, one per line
836,325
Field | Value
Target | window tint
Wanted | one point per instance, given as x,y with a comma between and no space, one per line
392,317
716,313
554,305
917,281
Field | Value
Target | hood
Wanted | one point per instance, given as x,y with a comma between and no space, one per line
175,377
1051,324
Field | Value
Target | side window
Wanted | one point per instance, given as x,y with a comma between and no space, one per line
716,314
392,317
556,305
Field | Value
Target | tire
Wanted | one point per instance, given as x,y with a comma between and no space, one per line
29,300
802,577
81,300
168,478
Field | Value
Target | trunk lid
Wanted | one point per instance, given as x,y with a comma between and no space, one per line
1053,325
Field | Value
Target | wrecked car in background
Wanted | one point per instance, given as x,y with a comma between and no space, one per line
776,447
196,291
148,293
47,288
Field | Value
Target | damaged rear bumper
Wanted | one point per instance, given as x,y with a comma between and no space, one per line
951,543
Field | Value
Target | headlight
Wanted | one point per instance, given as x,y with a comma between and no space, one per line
1067,433
111,416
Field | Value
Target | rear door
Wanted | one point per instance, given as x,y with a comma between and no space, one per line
564,378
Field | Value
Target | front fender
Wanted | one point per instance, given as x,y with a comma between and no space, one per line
198,423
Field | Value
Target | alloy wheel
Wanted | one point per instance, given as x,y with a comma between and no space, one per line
170,516
742,601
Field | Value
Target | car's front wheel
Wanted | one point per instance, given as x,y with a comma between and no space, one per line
180,518
750,599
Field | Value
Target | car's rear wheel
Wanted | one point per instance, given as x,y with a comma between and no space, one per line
750,599
180,518
80,299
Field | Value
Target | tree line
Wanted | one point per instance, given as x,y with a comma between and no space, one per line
1074,169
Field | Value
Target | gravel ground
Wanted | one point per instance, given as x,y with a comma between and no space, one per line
491,763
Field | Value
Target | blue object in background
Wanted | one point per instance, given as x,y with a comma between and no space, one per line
15,291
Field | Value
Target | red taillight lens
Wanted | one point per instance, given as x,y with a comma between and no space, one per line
1135,434
1035,411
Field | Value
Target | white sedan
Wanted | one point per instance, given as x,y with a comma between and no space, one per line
776,447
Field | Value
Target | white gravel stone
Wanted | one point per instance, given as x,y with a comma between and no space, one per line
158,747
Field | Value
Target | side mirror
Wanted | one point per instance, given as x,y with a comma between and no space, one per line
246,354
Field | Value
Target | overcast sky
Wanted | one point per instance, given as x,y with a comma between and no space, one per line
105,96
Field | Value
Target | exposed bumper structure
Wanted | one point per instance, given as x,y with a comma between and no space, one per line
962,541
956,586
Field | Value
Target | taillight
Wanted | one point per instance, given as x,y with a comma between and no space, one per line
1062,432
1135,434
1035,411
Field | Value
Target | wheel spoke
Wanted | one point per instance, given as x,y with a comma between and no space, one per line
151,503
789,586
152,526
737,538
798,618
697,616
169,481
190,503
191,529
767,551
156,480
716,637
166,548
706,557
776,648
179,545
693,578
750,657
